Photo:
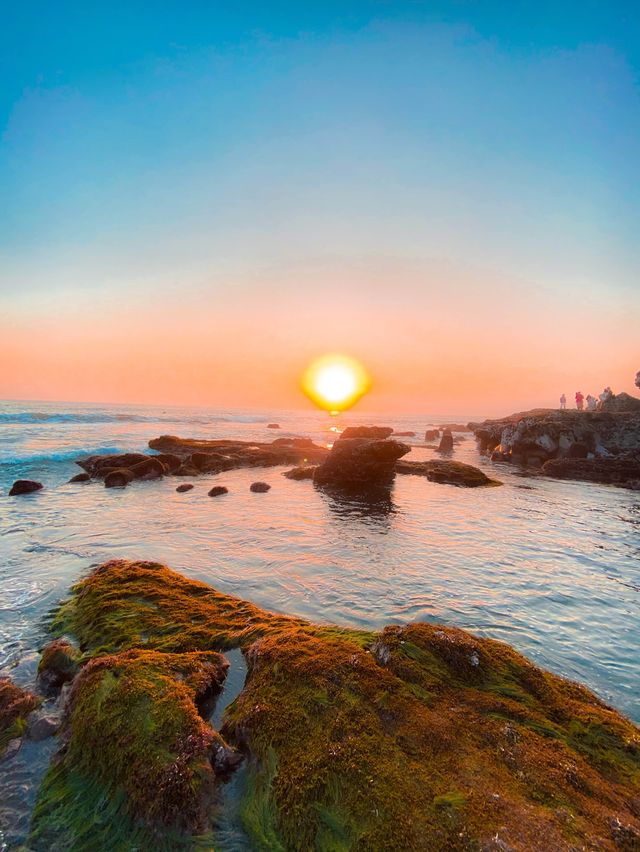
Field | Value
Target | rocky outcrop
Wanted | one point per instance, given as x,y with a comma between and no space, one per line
622,402
300,473
24,486
404,434
420,736
372,433
446,442
447,472
608,471
360,463
431,435
534,437
15,706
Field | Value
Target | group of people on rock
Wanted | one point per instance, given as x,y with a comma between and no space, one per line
593,403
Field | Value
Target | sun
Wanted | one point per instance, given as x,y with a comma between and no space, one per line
335,382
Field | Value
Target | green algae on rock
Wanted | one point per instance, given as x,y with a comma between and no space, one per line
447,472
421,737
15,706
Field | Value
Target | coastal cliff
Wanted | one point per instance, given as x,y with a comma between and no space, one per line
417,737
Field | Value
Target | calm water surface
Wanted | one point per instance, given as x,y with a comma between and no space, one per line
553,568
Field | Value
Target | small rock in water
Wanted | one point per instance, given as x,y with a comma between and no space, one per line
260,487
431,435
300,472
186,486
217,490
58,665
41,727
24,486
118,478
80,477
446,442
273,426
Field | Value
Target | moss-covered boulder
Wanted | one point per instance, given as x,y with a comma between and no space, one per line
15,706
447,472
421,737
58,665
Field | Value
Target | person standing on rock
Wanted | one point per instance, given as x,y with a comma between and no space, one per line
579,400
591,402
563,402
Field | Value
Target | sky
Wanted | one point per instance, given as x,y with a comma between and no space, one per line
198,198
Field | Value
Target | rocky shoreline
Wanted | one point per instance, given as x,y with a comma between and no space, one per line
592,446
418,737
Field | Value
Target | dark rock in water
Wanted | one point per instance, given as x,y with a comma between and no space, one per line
404,434
186,486
231,454
15,706
457,427
40,727
218,490
151,468
24,486
97,466
446,442
273,425
607,471
186,469
80,477
373,433
431,435
259,487
298,443
58,665
435,738
300,472
118,478
170,461
447,473
356,463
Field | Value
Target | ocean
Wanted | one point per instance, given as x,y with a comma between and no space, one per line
551,567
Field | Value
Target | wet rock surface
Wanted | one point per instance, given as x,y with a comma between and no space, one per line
451,740
360,463
446,442
15,706
299,473
612,471
259,487
186,486
447,473
24,486
218,491
58,665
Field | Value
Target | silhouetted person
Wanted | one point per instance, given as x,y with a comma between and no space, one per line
563,402
579,400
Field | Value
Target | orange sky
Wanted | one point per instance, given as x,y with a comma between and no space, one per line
436,339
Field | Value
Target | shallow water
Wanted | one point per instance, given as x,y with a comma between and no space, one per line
551,567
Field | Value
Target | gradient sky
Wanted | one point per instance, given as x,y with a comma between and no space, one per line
198,198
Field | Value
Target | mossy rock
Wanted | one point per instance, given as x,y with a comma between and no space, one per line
422,737
15,706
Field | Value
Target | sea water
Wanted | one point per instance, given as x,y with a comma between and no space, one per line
551,567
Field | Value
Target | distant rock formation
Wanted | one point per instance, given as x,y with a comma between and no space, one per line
533,438
372,433
446,442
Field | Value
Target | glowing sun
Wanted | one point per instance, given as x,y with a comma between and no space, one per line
335,382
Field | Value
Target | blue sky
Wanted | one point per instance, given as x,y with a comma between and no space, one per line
196,151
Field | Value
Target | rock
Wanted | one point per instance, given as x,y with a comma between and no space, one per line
150,468
622,403
273,425
170,461
118,478
541,435
15,706
357,463
431,435
42,727
404,434
372,433
446,442
80,477
230,454
24,486
457,427
259,487
435,738
97,466
300,472
186,469
58,665
218,490
186,486
447,472
607,471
